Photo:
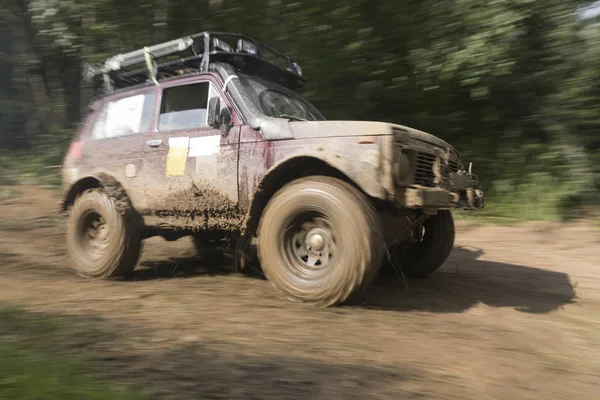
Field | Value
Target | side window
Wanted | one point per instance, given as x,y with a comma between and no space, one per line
184,107
126,116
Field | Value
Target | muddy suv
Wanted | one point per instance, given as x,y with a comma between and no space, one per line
196,137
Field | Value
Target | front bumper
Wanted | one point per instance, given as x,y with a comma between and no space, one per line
429,174
439,198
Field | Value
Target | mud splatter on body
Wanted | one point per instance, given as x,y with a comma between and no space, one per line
199,209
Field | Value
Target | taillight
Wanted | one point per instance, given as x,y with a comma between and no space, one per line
75,150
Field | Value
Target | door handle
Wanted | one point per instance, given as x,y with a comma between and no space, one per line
154,143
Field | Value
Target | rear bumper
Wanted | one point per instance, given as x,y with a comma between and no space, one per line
439,198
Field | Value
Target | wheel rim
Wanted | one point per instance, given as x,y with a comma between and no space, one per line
93,234
309,245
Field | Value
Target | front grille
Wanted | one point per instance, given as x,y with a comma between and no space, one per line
453,165
424,175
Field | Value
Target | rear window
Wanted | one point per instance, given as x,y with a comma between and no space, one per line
126,116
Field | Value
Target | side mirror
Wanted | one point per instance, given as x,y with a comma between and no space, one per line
214,112
225,119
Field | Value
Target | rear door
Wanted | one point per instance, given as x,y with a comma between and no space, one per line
115,142
193,166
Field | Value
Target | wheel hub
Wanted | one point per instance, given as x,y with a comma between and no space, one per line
313,246
315,241
95,233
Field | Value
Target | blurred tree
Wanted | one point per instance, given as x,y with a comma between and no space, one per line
30,108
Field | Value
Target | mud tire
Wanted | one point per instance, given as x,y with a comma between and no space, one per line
118,254
427,256
356,236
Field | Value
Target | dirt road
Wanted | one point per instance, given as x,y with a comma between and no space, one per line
514,314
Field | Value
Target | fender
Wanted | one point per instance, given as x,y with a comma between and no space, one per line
363,167
365,170
110,184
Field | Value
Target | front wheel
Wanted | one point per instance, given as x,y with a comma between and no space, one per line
101,241
435,240
320,241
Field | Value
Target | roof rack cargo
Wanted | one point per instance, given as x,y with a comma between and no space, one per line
194,54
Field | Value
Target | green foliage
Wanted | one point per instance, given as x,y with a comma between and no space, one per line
513,84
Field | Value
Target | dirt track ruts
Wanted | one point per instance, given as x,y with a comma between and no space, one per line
514,313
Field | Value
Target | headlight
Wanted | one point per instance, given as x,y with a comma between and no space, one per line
402,169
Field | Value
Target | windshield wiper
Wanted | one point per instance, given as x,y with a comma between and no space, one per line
292,117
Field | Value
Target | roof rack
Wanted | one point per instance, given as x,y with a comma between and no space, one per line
194,54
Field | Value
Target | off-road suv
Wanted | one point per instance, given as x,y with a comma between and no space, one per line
216,142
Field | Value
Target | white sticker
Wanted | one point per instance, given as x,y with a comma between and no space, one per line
204,146
179,142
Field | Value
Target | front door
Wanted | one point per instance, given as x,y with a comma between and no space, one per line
193,173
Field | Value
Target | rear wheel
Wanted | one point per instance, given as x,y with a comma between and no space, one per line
101,241
320,241
433,243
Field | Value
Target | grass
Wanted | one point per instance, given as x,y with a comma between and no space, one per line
510,213
518,206
485,217
31,368
29,374
16,321
39,167
7,192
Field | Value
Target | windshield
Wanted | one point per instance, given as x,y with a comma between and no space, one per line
275,100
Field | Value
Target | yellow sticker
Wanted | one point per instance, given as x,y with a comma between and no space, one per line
176,159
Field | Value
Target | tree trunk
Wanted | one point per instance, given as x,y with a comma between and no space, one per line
28,84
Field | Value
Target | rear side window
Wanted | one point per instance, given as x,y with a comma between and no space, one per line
185,107
126,116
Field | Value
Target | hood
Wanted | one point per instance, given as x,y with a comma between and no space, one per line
331,129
